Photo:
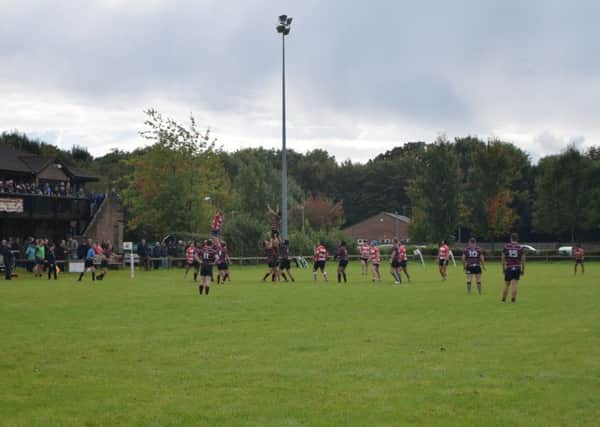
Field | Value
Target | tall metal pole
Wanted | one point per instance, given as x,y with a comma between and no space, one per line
284,204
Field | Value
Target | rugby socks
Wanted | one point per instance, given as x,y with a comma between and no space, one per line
201,289
195,276
315,275
469,287
479,287
265,278
80,277
284,276
345,277
93,276
219,280
206,289
339,277
325,276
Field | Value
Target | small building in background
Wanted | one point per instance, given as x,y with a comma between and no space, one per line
382,227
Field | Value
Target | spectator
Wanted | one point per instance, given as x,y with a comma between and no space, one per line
73,248
30,256
61,252
143,252
156,255
164,255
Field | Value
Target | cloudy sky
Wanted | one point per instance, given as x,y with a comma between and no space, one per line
363,76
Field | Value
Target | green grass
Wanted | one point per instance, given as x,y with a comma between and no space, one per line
151,352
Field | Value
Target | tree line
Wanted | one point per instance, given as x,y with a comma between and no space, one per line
450,189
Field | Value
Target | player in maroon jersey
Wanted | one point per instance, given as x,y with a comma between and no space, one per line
320,260
375,255
404,260
222,262
579,255
207,257
271,251
473,262
395,262
284,261
513,265
217,222
275,221
365,254
342,257
443,256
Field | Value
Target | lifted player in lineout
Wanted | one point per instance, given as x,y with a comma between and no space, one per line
513,265
473,262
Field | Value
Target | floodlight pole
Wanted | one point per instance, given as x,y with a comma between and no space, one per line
284,29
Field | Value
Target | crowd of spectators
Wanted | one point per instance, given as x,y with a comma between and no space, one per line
59,189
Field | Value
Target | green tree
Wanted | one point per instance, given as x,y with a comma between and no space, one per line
177,182
563,202
435,193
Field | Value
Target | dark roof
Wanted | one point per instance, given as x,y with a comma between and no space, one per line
16,161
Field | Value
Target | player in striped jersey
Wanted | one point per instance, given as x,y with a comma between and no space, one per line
222,262
395,262
275,222
579,255
342,256
190,259
513,264
443,256
365,254
320,260
404,260
284,261
271,251
375,256
473,262
217,222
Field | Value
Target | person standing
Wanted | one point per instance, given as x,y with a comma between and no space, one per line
223,262
365,254
8,259
473,262
342,256
61,255
143,253
190,260
375,256
443,257
51,257
320,258
89,263
513,265
207,261
40,256
30,256
395,262
579,255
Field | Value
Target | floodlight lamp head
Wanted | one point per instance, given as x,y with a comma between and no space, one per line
280,28
288,21
282,18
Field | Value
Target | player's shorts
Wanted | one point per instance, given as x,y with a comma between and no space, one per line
376,265
104,263
343,263
578,261
473,269
395,263
319,265
222,266
89,263
364,259
272,264
215,233
274,233
284,264
206,270
443,261
512,273
403,263
39,261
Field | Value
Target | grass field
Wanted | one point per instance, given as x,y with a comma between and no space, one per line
151,352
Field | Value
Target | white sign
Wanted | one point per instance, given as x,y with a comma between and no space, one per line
76,266
127,246
11,205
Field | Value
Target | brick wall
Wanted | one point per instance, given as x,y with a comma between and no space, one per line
378,227
108,225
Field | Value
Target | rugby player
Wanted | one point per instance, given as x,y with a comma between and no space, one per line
443,256
513,265
473,262
223,262
271,250
375,256
216,224
404,260
395,262
207,258
275,221
284,260
320,260
190,259
365,254
342,256
89,263
579,255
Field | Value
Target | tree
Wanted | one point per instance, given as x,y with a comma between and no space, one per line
435,193
322,213
562,205
177,182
